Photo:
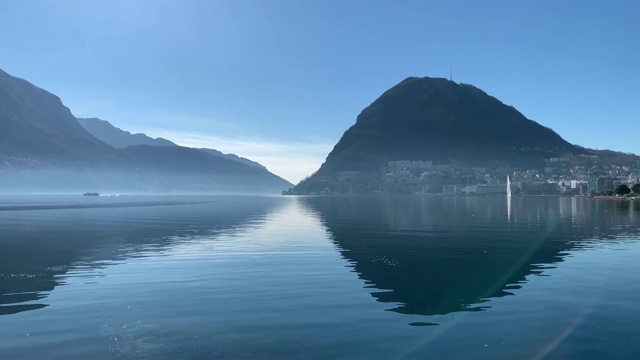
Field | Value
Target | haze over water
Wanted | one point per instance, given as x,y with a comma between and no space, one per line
318,277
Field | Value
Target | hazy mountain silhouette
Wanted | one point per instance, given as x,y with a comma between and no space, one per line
233,157
43,148
118,138
443,121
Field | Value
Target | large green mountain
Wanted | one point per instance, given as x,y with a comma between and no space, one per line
437,119
43,148
448,123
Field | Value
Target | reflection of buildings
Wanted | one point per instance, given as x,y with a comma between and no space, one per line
437,255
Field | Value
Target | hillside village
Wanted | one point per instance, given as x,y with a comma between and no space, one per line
569,175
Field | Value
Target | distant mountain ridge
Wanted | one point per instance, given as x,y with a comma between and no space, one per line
43,148
119,138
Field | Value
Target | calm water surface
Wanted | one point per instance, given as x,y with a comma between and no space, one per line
318,278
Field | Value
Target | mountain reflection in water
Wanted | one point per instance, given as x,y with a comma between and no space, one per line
440,255
42,241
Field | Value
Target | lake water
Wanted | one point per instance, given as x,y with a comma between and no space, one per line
319,278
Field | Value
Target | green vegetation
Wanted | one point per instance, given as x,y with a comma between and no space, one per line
636,188
622,189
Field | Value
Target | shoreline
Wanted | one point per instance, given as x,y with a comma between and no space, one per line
614,197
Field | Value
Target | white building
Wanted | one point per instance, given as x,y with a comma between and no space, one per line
449,190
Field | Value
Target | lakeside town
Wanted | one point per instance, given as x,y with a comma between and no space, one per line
570,174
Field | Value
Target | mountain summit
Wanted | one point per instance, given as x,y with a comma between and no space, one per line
439,121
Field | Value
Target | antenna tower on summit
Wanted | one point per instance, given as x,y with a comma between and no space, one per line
450,74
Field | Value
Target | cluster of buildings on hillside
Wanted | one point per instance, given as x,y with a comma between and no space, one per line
571,174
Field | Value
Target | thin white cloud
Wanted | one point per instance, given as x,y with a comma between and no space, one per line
292,161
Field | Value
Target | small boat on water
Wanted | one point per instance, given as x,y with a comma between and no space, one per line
91,194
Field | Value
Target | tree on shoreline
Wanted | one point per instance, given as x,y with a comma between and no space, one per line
622,189
636,188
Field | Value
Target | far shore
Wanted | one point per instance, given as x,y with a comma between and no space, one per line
616,197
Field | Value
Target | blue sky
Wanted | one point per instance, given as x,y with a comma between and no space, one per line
280,81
